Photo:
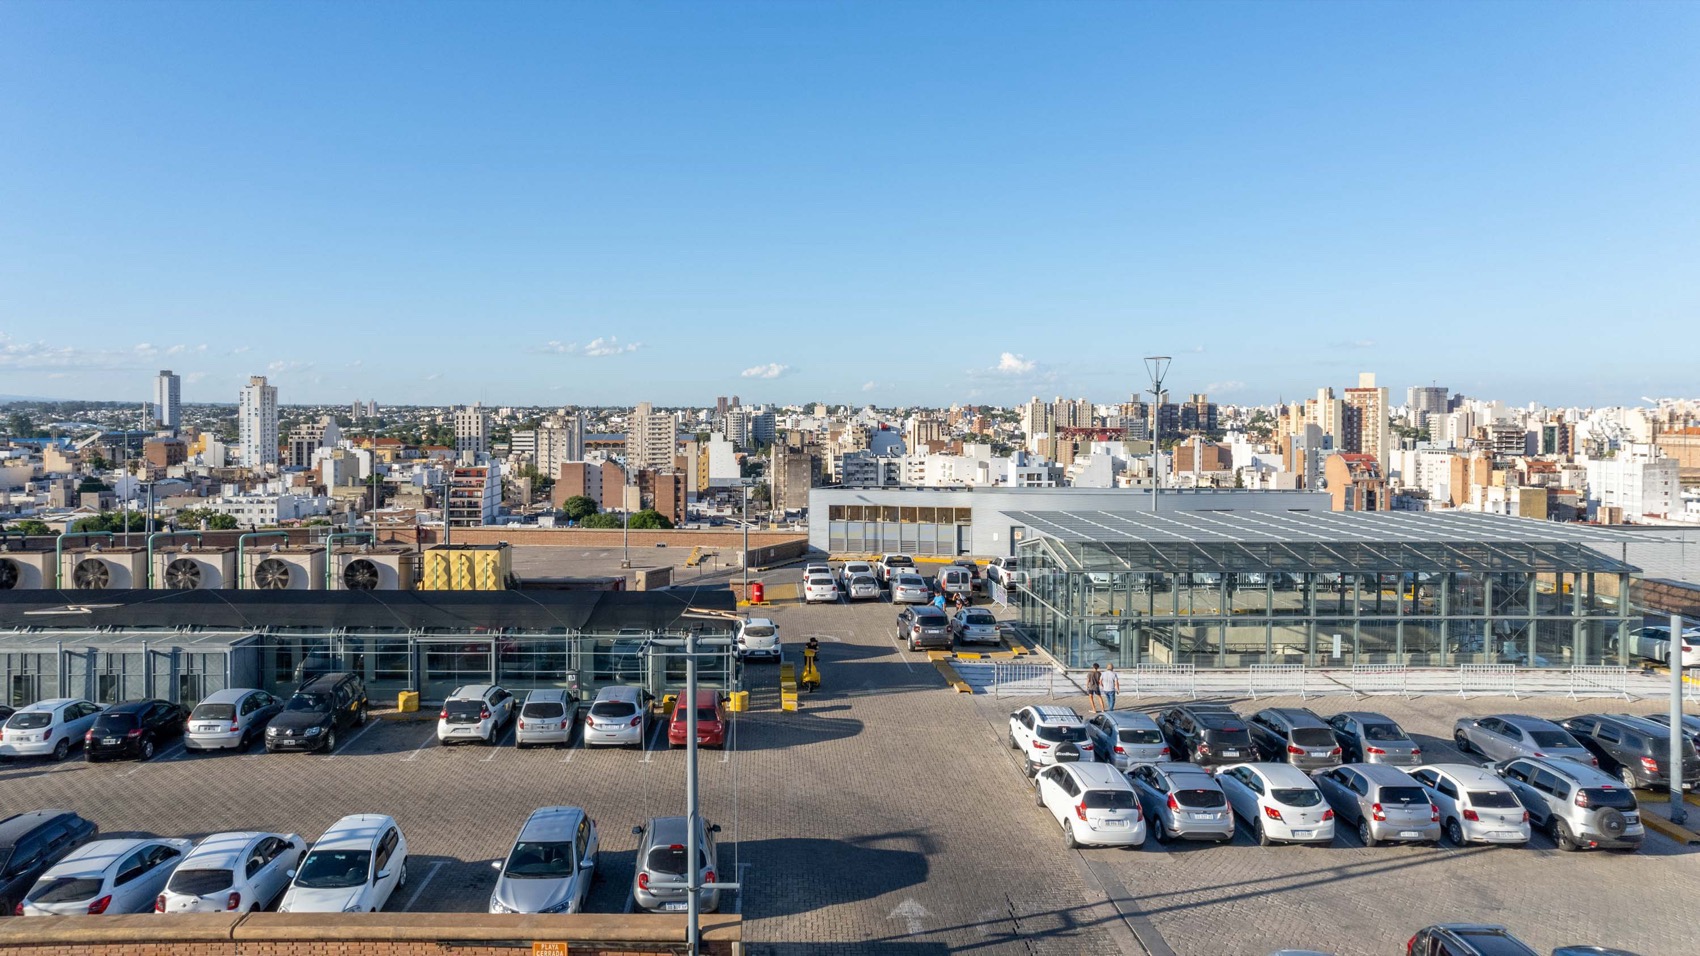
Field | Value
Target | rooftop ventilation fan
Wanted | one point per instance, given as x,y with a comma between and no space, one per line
183,575
272,575
91,574
8,574
360,575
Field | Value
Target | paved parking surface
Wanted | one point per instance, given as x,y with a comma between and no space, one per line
888,817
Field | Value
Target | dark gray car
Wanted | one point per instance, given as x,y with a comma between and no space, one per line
1295,735
1182,801
1369,737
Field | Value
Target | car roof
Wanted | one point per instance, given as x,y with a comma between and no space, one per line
1052,714
907,578
1526,722
1583,774
357,831
1131,718
1640,724
546,694
130,706
325,683
221,851
552,824
768,621
927,610
861,576
1099,775
97,856
666,830
229,695
471,692
1283,775
705,698
1299,716
51,703
1177,769
619,692
1383,775
17,825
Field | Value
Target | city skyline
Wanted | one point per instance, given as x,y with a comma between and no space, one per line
726,199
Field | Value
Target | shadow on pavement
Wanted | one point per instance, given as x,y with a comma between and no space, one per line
862,868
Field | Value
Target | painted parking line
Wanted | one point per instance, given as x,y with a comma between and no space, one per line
900,655
506,735
422,884
631,902
343,747
743,887
653,742
171,753
428,741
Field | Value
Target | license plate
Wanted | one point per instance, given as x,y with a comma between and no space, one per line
209,728
1115,824
1506,834
1204,816
1230,753
465,730
1301,834
675,907
109,740
1632,818
1410,834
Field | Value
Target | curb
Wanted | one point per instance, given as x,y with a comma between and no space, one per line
1675,831
951,677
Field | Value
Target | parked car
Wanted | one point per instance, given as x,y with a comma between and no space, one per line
314,715
909,589
923,627
1653,643
1635,749
952,581
6,713
241,872
1005,572
1182,801
618,716
1126,737
1094,803
47,728
810,570
1576,804
975,625
1368,737
852,569
1466,939
353,868
31,842
1476,806
1278,802
105,876
861,587
891,565
758,637
136,728
711,721
1046,734
819,588
475,713
976,579
1386,803
663,859
1295,735
546,717
551,865
230,718
1503,736
1209,735
1690,726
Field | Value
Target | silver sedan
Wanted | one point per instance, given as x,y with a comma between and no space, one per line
1504,736
910,589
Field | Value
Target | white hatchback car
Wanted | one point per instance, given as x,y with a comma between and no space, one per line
232,718
546,718
1476,805
1094,803
861,587
241,872
105,876
475,712
758,637
1047,734
48,728
618,717
1278,802
819,588
353,868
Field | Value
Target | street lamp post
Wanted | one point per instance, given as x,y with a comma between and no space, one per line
745,561
1157,366
1678,812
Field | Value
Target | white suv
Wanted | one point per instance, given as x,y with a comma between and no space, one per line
353,868
758,637
1048,735
48,728
1094,803
475,712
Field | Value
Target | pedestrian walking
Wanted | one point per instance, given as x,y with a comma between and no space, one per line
1095,687
1111,683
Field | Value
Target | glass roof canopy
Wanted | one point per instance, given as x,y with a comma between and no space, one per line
1323,541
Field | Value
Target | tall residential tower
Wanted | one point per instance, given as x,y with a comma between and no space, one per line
256,419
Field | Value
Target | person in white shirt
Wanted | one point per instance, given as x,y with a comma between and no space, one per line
1110,683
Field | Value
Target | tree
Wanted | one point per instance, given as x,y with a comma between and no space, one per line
579,507
650,520
113,521
215,520
602,521
31,527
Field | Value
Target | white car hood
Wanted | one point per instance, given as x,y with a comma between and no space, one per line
304,899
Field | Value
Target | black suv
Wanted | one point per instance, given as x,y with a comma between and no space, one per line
1209,735
313,715
134,728
1466,939
1636,749
30,843
1297,736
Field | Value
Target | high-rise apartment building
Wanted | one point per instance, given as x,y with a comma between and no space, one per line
472,431
1374,433
651,437
256,420
1423,401
307,438
167,401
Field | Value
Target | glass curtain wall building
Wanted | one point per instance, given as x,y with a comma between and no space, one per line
1323,589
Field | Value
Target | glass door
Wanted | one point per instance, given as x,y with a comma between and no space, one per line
445,665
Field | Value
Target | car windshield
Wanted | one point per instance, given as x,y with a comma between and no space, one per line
30,720
1231,735
1552,738
910,581
1200,797
1616,798
308,704
542,709
1138,736
1313,737
1383,732
113,723
199,882
1493,800
540,861
667,859
758,630
1071,732
213,712
613,708
65,889
334,869
1403,795
819,581
463,711
1296,796
862,581
978,617
930,618
1109,800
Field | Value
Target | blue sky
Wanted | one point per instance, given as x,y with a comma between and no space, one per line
886,202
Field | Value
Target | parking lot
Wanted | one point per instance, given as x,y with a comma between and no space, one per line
889,816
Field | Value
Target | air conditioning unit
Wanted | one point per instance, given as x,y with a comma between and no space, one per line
379,568
100,569
283,569
26,570
188,568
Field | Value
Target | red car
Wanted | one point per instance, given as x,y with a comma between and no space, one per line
711,721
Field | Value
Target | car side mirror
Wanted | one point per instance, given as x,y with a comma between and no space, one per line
495,864
636,831
290,874
382,875
714,828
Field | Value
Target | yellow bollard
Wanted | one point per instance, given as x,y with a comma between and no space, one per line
407,701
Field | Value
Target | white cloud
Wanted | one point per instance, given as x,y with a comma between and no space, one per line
553,347
770,370
356,363
870,386
240,349
19,355
1232,385
600,347
1010,363
282,367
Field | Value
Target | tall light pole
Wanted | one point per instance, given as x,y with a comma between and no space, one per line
746,559
1157,366
1678,812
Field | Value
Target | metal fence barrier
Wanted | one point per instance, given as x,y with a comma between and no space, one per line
1160,680
1599,680
1022,679
1498,679
1380,679
1277,680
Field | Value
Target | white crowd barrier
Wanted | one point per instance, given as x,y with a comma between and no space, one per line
1496,679
1599,680
1277,680
1160,680
1022,679
1370,679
